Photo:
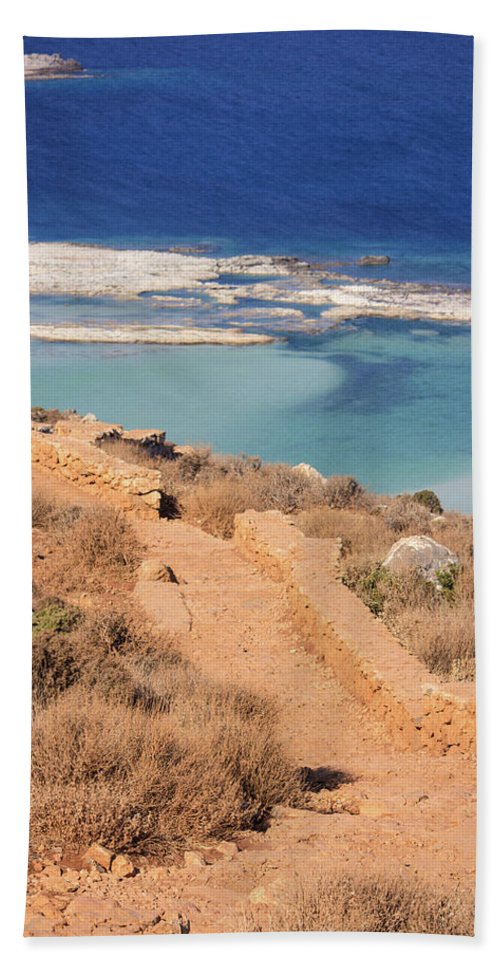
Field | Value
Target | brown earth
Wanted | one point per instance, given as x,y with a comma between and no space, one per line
403,813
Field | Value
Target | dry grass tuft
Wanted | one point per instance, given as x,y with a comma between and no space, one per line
376,906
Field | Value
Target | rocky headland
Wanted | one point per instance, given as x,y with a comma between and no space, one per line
49,66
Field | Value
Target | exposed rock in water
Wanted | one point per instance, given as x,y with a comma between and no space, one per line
420,552
263,264
49,65
374,260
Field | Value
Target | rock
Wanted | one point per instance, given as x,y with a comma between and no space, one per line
89,418
258,895
49,65
100,855
165,604
211,855
227,849
156,571
191,858
310,472
420,552
53,871
123,866
374,260
46,907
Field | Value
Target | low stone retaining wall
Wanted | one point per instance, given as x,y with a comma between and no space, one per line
416,708
72,451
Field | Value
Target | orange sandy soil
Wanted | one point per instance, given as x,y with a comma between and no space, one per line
404,813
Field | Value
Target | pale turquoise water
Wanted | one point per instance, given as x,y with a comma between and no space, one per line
388,402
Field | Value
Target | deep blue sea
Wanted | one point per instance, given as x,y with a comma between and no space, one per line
326,145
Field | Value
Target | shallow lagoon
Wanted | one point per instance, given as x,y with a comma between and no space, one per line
386,401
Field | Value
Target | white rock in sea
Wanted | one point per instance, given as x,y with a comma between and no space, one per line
49,65
154,335
374,260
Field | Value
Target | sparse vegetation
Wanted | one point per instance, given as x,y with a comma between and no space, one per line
436,623
377,906
155,775
131,746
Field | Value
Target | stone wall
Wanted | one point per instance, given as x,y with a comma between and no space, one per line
416,708
71,449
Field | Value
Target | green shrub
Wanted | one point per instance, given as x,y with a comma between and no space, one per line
371,583
428,499
54,617
446,578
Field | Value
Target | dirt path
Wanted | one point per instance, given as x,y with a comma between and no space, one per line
411,814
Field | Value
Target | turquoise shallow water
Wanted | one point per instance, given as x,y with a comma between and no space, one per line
388,401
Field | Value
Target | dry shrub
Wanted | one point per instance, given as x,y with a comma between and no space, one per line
97,547
436,626
102,539
276,486
378,906
129,451
102,649
213,504
49,514
364,536
343,492
212,507
404,514
151,782
441,636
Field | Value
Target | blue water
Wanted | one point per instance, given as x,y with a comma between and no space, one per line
388,402
313,143
325,145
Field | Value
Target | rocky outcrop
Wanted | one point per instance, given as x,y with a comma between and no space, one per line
421,552
418,711
40,66
374,260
